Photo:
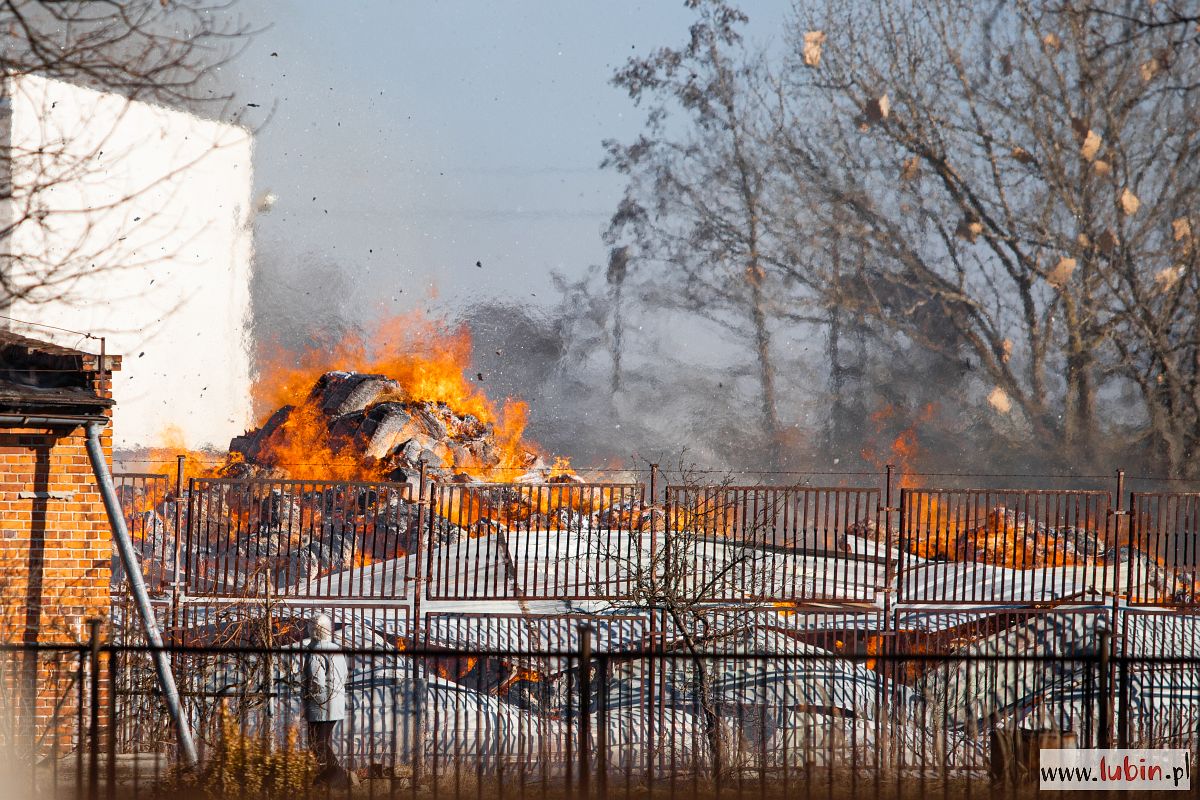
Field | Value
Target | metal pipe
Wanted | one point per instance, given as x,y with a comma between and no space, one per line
133,573
50,422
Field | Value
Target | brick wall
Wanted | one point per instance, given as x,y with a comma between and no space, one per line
55,563
55,540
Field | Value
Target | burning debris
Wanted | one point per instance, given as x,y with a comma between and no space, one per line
378,406
372,425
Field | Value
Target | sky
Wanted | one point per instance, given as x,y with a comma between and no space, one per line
440,153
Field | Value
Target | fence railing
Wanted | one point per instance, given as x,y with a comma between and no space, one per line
778,544
536,541
292,538
153,513
600,722
1005,546
610,542
1164,548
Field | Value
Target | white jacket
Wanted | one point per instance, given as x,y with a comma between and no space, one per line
324,683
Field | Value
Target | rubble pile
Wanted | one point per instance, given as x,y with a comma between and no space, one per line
282,538
1004,538
1012,539
368,421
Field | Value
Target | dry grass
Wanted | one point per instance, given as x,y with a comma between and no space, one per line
244,766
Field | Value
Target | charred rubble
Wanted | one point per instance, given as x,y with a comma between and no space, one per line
368,419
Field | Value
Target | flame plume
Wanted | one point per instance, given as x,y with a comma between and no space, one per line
427,358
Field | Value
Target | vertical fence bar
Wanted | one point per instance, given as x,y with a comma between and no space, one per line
425,516
1103,666
94,709
1114,535
650,668
602,726
1123,687
80,667
110,766
585,715
888,509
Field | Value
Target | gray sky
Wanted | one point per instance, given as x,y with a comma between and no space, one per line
436,135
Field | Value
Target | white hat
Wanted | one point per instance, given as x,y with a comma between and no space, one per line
322,628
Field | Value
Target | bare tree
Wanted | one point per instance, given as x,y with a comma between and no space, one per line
693,217
687,567
1012,189
149,51
1180,18
1020,184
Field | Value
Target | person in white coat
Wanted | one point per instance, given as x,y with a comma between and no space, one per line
325,676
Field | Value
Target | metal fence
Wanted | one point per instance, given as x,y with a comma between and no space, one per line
588,721
291,538
792,640
1164,549
1005,546
536,541
608,542
777,544
153,512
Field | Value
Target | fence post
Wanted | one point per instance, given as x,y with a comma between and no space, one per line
602,726
81,656
650,668
1103,685
94,709
420,665
110,767
666,524
422,517
888,509
585,712
179,467
174,613
1118,513
1123,698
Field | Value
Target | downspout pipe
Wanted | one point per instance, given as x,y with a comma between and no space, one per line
133,572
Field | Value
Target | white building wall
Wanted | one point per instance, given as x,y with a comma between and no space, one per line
148,215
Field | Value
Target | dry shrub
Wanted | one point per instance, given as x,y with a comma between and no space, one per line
242,764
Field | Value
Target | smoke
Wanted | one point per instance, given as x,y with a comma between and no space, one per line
683,387
300,305
670,398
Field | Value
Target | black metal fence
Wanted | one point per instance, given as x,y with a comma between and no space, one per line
780,640
780,544
567,541
292,538
592,721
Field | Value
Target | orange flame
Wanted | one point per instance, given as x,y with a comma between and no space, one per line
425,357
163,458
905,450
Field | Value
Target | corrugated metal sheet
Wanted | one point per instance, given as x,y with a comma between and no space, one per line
968,582
534,632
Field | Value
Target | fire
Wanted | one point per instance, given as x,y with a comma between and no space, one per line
426,357
519,673
936,534
304,449
196,463
905,450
